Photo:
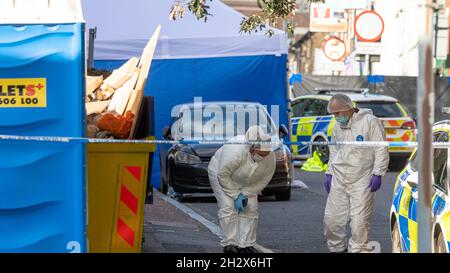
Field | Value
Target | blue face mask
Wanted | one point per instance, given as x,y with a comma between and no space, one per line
342,120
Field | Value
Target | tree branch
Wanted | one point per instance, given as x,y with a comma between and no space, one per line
272,11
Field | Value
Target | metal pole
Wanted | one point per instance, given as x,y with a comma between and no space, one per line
289,96
367,65
436,30
288,90
425,107
92,36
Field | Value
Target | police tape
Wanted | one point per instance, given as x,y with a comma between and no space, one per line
215,142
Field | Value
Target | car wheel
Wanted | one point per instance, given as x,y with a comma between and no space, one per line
440,244
170,191
396,240
163,186
174,195
322,150
283,195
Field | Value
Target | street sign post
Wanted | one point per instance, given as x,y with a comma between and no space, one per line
369,27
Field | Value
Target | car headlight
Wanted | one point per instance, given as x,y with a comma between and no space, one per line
185,158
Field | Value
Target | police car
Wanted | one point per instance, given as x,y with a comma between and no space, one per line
312,122
403,214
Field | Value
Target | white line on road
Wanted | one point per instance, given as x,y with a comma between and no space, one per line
299,184
202,220
194,215
298,163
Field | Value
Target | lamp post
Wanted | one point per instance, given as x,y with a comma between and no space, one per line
425,106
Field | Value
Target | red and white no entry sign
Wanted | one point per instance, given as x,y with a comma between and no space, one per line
369,26
334,48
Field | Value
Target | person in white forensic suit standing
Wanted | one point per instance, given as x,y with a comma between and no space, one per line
353,175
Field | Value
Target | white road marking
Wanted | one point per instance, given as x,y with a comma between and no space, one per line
298,163
202,220
299,184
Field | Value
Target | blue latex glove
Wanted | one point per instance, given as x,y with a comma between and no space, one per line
328,183
239,203
375,183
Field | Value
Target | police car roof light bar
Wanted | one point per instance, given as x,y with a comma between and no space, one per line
322,91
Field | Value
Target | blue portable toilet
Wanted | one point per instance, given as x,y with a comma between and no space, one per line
42,89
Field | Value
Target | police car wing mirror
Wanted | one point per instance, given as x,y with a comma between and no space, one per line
283,131
167,134
446,110
413,180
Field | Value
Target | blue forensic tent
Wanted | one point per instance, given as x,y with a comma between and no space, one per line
193,59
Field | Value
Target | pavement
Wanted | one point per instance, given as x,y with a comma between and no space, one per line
170,227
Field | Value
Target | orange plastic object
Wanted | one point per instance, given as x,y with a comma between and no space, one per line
119,126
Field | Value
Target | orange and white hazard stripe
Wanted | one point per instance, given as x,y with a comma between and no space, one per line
128,222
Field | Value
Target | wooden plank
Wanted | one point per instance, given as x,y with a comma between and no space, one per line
96,107
121,75
146,59
105,94
137,96
122,95
132,99
135,110
92,83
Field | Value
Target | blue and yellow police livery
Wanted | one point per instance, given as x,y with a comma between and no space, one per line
404,204
312,122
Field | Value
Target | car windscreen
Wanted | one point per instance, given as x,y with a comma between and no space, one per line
382,109
220,122
440,156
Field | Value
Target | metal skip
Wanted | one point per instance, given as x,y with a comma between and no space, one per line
117,176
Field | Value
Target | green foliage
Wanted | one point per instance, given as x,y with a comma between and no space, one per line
254,23
272,11
199,8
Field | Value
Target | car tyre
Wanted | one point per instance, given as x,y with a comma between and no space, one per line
323,150
163,186
396,239
283,195
440,244
170,190
174,195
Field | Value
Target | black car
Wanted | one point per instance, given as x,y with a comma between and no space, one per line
184,167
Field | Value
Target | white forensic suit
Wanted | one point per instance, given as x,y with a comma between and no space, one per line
231,171
352,168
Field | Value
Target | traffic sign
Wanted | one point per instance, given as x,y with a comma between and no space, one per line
369,26
365,48
334,48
